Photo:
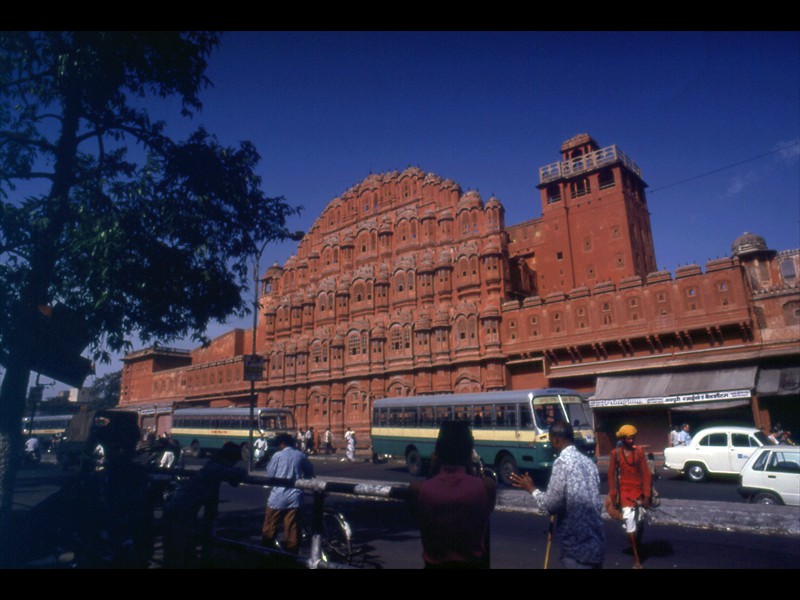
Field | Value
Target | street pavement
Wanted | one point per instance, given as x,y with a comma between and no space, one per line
700,514
722,516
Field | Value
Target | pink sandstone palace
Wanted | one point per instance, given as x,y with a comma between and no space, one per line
405,285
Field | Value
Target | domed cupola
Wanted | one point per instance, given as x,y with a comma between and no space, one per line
748,244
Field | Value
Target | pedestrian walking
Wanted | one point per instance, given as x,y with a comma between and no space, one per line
310,441
675,436
327,440
350,439
630,487
284,502
685,437
573,496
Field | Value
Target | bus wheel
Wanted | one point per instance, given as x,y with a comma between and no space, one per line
505,467
414,462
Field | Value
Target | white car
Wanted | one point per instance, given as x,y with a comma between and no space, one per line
715,451
772,476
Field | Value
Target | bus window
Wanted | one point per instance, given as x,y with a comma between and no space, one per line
426,416
442,414
546,415
482,417
578,414
395,417
525,417
507,415
462,413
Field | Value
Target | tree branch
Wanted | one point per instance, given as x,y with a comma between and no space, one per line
18,138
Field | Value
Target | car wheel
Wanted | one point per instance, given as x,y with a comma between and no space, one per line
414,462
505,467
696,473
766,498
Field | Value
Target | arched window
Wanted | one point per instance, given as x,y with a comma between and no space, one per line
788,271
605,179
359,292
353,344
402,230
397,339
461,329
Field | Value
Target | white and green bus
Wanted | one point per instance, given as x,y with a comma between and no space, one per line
205,430
511,428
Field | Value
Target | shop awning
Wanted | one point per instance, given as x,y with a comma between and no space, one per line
779,382
722,386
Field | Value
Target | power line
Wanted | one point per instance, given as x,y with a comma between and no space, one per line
724,168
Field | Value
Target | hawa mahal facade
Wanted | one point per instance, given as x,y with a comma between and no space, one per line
406,285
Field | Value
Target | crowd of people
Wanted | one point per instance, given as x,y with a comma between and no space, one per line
313,443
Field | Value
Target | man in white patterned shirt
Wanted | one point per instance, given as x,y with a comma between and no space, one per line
573,495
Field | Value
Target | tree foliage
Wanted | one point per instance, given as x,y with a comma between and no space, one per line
104,391
101,211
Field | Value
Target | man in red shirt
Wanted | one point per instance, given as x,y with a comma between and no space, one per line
454,504
629,486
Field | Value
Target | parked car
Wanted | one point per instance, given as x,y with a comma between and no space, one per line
715,451
772,476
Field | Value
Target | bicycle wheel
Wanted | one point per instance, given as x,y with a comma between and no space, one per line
336,536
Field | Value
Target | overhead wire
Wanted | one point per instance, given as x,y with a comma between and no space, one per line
747,160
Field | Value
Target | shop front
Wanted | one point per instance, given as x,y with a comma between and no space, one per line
655,402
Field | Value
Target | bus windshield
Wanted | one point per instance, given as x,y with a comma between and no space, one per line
278,421
549,409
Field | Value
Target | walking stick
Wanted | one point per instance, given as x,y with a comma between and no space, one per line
549,540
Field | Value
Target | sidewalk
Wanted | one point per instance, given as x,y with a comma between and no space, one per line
700,514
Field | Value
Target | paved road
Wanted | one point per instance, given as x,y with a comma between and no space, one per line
702,517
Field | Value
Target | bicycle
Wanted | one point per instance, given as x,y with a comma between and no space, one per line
335,538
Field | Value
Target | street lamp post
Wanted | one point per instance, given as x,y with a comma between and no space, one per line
256,371
253,357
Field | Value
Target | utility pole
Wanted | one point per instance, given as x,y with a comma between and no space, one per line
253,367
254,364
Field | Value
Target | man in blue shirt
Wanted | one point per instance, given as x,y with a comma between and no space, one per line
284,502
684,438
572,495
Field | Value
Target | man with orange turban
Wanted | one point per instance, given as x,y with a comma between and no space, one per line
629,486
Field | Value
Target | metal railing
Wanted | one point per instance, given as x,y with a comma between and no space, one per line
587,162
319,488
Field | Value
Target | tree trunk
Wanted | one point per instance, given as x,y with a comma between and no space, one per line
12,408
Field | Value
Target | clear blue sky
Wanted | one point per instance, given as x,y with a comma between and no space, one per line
487,110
